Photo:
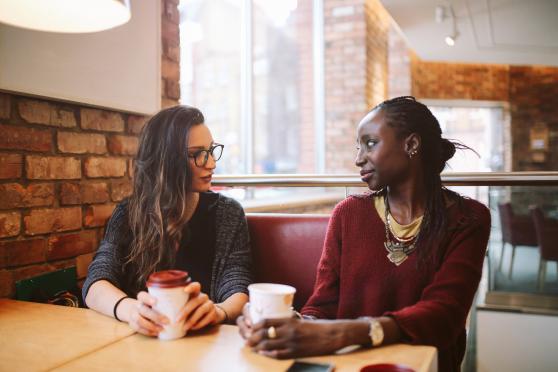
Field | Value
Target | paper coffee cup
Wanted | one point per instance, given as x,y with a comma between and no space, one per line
270,301
168,288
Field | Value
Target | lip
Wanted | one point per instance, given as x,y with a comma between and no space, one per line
366,175
207,178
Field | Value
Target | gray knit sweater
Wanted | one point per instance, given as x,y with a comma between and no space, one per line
232,265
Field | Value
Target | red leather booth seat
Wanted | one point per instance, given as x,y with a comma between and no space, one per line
286,249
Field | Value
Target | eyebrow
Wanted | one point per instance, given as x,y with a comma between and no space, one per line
201,147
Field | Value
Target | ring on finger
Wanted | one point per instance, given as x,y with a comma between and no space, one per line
271,332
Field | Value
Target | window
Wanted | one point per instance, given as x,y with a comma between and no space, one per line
255,82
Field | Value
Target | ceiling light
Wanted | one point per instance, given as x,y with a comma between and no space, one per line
68,16
450,40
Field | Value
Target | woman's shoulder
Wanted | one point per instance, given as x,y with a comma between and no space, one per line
227,204
469,211
355,202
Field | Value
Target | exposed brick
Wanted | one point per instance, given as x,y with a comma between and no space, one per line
101,120
120,190
130,168
24,252
10,165
35,112
62,118
96,167
170,31
172,89
43,221
5,106
171,51
70,194
10,224
94,192
136,124
97,215
123,145
52,167
7,287
170,70
82,264
22,138
166,102
15,195
71,245
81,143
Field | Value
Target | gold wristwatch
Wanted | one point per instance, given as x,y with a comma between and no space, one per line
376,332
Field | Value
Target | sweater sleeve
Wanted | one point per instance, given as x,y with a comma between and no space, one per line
237,271
324,301
106,264
439,316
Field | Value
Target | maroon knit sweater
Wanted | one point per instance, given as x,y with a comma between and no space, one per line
430,303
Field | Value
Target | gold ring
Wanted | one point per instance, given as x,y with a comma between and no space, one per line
271,332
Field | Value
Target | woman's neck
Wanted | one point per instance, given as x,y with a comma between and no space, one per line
407,201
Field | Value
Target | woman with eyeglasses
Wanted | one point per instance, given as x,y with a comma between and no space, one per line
173,221
400,263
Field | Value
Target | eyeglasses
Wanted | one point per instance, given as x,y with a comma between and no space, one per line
200,156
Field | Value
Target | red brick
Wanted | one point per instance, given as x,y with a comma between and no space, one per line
171,51
136,124
7,286
94,192
5,106
10,224
24,252
71,245
82,143
14,195
97,215
130,168
43,221
70,193
23,138
62,118
170,70
35,112
82,264
96,167
123,145
10,165
52,167
170,12
166,102
173,89
101,120
170,31
120,190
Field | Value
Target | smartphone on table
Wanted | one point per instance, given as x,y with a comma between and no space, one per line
299,366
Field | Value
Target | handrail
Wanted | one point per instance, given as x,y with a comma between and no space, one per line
353,180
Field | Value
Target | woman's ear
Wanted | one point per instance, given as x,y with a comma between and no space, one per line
412,144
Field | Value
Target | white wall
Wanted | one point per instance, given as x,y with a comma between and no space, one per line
117,68
516,342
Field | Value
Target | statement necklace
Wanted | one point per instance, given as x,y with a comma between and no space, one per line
400,249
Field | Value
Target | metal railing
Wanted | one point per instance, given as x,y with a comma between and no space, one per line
353,180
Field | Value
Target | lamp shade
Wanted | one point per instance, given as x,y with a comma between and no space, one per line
68,16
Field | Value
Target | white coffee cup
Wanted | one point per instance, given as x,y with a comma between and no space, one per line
168,288
270,301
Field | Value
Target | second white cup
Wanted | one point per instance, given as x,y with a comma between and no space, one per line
270,301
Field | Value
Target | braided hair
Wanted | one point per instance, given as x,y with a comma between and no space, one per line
408,116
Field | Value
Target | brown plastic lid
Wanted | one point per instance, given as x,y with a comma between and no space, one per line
168,279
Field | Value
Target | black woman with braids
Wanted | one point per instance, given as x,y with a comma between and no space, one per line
173,221
401,263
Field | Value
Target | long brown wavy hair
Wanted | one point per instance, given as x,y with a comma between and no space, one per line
158,210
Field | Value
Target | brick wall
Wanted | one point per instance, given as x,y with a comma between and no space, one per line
63,168
355,73
531,91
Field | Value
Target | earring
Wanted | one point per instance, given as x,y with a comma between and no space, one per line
412,153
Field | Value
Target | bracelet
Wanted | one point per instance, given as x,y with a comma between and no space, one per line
226,315
116,305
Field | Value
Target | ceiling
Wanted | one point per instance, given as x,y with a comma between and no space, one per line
517,32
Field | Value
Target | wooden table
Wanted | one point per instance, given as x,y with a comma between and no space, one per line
38,337
69,347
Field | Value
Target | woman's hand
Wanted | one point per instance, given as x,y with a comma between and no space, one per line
293,337
143,319
199,311
244,322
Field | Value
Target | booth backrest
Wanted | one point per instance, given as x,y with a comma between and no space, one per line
286,249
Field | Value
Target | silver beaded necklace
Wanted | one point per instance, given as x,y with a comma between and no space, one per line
400,249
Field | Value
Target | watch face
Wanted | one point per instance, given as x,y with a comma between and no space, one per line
376,333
